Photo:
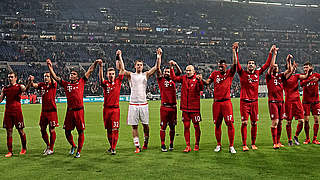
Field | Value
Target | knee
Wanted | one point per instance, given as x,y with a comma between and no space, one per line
289,123
254,123
244,123
229,124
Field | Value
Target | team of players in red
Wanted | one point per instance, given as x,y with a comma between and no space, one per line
192,84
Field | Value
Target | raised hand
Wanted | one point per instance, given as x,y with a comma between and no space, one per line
199,76
49,63
99,61
119,52
31,78
172,63
159,52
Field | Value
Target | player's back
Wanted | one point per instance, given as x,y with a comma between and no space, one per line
291,88
138,85
275,87
13,97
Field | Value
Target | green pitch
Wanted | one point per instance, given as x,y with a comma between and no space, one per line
297,162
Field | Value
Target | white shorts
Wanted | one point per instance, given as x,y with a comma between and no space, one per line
136,113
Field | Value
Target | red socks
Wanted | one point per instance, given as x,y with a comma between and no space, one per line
80,141
289,133
299,128
218,134
306,130
70,138
45,137
115,136
187,132
279,129
23,140
197,133
52,139
244,134
254,134
162,136
109,135
172,133
9,143
231,134
315,131
274,135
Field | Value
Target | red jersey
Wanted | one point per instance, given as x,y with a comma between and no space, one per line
167,91
249,82
275,87
190,91
48,94
111,92
222,84
291,88
13,97
74,92
310,89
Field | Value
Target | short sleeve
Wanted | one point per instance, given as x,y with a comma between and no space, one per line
212,76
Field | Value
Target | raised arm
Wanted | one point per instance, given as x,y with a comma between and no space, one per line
235,50
289,70
2,95
122,70
53,74
100,70
159,58
273,61
32,84
91,68
178,69
154,68
267,64
239,68
172,73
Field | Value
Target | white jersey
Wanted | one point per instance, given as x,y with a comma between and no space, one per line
138,85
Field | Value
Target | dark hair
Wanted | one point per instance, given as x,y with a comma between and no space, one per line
111,69
166,67
222,61
12,72
251,60
74,69
139,60
308,63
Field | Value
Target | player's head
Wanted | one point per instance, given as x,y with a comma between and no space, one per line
251,65
111,74
166,72
74,75
12,77
47,77
307,66
275,68
138,65
190,71
222,65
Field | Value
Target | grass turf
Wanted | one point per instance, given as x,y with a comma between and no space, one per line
297,162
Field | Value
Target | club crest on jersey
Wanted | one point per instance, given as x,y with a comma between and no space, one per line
167,83
70,88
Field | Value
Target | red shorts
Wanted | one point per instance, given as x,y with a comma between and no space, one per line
277,110
194,116
13,119
48,118
313,107
168,115
294,109
222,110
249,108
74,119
111,118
